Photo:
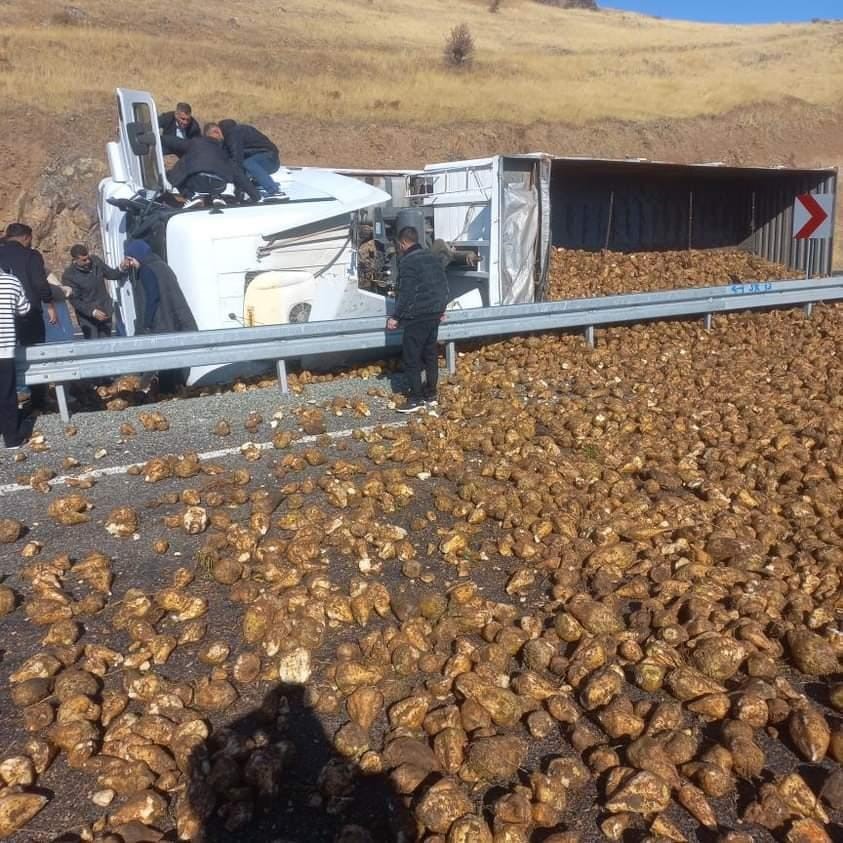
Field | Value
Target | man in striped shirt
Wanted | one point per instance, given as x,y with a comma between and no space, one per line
13,304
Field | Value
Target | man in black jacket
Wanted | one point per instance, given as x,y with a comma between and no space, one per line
86,276
177,127
18,258
253,151
170,311
422,297
204,157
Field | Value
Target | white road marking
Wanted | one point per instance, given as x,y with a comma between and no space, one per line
110,471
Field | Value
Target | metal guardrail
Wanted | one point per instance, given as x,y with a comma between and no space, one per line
61,363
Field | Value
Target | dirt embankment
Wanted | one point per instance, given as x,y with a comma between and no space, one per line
53,165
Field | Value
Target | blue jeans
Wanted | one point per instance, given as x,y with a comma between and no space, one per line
260,166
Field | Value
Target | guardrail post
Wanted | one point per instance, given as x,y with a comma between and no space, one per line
282,377
589,336
451,358
808,309
709,321
61,397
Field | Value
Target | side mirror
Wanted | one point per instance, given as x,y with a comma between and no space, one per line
141,137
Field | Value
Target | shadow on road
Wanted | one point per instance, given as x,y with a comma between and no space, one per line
273,775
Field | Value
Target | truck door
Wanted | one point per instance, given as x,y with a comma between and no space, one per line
466,212
140,141
523,227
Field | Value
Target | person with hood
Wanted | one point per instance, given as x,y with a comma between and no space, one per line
86,276
163,305
165,309
252,150
205,161
177,127
423,295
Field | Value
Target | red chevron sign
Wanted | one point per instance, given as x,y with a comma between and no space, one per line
812,216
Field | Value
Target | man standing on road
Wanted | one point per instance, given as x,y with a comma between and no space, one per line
86,277
177,127
422,297
13,305
18,258
253,151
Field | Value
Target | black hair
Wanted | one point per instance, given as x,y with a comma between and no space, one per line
184,108
18,229
408,234
208,126
78,250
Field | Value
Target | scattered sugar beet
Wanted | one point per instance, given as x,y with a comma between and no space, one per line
606,577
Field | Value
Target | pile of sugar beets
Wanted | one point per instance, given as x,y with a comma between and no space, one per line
597,596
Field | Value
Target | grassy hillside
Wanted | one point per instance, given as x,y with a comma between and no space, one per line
381,60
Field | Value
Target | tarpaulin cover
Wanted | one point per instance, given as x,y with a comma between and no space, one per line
520,213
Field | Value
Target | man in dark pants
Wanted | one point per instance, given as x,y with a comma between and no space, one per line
13,305
206,161
253,151
27,264
177,127
86,277
420,307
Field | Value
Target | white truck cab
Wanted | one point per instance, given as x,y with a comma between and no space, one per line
327,250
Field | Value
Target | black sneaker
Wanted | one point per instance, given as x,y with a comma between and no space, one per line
413,405
14,444
431,400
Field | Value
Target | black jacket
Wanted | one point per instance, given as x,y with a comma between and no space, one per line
422,286
170,141
28,265
206,155
243,140
173,312
89,289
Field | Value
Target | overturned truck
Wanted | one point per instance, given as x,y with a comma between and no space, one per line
327,250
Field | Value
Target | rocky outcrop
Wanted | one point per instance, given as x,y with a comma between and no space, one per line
61,208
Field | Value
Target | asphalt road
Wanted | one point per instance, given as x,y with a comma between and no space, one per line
99,447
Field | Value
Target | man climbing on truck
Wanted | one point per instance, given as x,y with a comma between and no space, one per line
177,128
252,150
206,168
420,306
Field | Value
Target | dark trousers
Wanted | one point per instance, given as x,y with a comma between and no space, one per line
419,351
94,330
208,184
8,401
31,331
260,166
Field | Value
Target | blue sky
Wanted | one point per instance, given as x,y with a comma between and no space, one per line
733,11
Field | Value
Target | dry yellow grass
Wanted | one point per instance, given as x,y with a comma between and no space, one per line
344,59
